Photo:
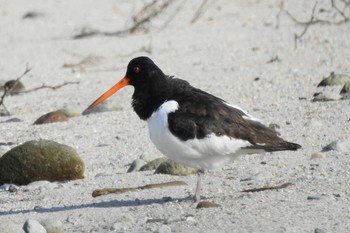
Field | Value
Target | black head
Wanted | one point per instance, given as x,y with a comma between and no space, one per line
142,71
149,83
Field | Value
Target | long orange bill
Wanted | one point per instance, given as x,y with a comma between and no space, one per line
122,83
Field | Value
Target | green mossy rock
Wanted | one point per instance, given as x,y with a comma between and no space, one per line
173,168
153,164
40,160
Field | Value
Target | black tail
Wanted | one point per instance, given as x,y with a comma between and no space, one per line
284,146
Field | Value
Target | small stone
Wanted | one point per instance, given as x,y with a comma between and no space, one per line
136,165
315,197
15,119
40,160
51,117
318,155
207,204
17,87
319,230
323,97
341,146
153,164
345,91
52,225
176,169
334,79
10,227
33,226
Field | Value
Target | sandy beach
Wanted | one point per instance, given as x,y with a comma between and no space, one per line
243,51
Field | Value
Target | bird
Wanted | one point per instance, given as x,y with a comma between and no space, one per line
191,126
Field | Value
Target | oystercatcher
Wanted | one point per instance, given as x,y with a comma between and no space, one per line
191,126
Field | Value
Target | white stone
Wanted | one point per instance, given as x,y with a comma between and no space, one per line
33,226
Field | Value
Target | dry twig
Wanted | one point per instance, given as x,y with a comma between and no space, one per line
314,20
43,86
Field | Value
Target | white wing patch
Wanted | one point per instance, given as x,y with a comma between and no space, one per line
247,115
207,153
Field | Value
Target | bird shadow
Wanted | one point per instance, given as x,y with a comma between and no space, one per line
103,204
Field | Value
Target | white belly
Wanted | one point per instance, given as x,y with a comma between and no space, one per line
207,153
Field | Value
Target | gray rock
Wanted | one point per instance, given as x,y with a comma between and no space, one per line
9,227
334,79
52,225
323,97
173,168
136,165
40,160
345,91
341,146
33,226
319,230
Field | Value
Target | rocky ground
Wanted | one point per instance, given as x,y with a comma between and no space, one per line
267,57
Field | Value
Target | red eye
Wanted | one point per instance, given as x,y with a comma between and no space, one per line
136,69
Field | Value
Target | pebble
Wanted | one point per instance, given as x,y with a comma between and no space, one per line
51,117
33,226
207,204
136,165
315,197
323,97
9,187
173,168
318,155
345,91
340,146
52,225
319,230
153,164
334,79
16,89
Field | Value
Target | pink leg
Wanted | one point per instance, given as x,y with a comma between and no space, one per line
197,196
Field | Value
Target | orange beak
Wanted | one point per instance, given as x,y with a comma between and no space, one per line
122,83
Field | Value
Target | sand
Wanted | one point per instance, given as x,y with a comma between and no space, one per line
229,51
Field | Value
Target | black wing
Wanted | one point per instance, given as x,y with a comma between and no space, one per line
201,114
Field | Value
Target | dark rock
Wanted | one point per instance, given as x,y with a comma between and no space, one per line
207,204
40,160
345,91
173,168
14,86
51,117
